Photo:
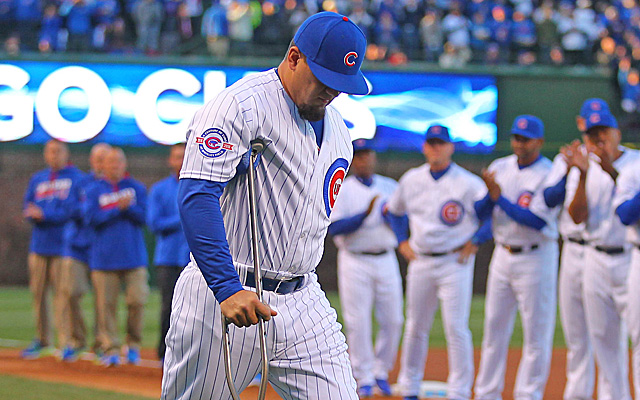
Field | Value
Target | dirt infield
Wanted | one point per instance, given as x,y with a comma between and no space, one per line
145,381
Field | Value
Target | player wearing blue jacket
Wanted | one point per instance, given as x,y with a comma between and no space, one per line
48,207
76,259
172,251
115,208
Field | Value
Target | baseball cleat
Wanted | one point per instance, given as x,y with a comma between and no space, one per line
69,354
133,356
37,350
384,386
365,391
410,398
110,360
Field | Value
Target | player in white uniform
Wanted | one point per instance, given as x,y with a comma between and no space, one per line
607,256
627,205
368,272
439,198
307,154
523,269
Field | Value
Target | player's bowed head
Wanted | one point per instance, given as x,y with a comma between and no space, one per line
322,61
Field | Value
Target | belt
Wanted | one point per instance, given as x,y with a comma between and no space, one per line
610,250
275,285
519,249
371,253
441,253
581,242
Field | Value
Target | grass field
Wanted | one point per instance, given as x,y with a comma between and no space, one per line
16,319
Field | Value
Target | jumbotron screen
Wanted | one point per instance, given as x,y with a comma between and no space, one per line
145,105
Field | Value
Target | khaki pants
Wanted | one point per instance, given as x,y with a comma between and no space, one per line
107,287
45,272
75,284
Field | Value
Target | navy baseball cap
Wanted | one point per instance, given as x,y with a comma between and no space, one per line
601,118
593,105
528,126
362,144
438,132
335,48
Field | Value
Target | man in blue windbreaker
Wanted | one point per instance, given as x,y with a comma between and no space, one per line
172,251
48,206
115,208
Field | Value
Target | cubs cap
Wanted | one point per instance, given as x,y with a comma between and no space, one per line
438,132
361,145
593,105
334,47
528,126
601,118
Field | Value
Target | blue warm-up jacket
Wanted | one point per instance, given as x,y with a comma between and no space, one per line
163,219
118,241
79,236
54,193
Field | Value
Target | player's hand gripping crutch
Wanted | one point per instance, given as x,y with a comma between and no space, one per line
257,146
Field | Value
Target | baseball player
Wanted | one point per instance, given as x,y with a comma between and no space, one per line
75,265
523,269
608,255
48,206
439,199
627,205
307,154
368,271
172,251
580,364
115,209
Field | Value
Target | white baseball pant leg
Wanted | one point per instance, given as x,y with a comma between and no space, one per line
367,283
605,297
526,282
307,352
633,316
429,280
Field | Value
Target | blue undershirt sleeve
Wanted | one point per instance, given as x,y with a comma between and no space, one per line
554,195
399,225
484,207
521,215
483,234
347,225
201,216
629,211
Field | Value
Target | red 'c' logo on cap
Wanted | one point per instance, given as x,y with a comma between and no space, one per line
350,59
522,124
436,129
595,118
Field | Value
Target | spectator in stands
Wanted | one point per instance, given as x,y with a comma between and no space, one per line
115,208
49,30
28,14
480,36
547,31
432,35
523,33
48,206
269,36
631,92
411,13
215,29
78,15
301,13
106,13
240,27
172,251
7,18
605,52
456,29
454,57
387,33
501,32
359,16
170,32
147,15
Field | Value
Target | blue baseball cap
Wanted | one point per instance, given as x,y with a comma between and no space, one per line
335,48
601,118
438,132
362,144
528,126
593,105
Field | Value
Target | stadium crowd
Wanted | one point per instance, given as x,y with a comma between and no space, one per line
449,32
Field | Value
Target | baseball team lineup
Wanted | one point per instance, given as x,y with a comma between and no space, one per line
269,170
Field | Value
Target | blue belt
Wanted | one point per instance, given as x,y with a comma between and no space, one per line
275,285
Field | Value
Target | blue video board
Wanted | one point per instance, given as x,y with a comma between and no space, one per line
143,105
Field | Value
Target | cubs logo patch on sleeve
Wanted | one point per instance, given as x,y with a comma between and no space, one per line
213,143
525,199
332,183
451,213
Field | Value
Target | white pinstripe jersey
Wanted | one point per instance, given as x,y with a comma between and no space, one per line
374,234
519,186
441,213
627,186
297,183
603,227
566,226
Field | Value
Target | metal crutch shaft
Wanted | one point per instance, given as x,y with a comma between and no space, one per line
257,146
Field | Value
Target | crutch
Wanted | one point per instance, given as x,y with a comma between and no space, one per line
257,146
